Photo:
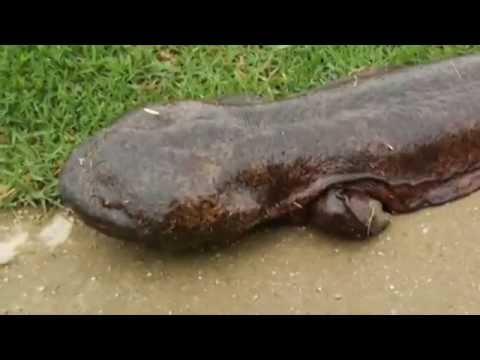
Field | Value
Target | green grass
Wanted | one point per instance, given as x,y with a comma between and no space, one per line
53,97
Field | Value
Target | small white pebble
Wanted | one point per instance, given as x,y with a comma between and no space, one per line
255,297
338,296
20,276
100,311
149,274
381,253
93,278
425,230
200,277
429,280
274,272
392,287
5,279
170,312
319,289
41,288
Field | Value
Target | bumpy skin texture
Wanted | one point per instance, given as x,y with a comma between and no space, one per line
196,172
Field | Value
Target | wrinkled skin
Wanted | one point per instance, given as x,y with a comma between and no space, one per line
340,158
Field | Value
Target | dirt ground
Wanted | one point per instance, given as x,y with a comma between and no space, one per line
425,263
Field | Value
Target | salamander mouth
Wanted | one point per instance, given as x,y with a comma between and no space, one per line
78,192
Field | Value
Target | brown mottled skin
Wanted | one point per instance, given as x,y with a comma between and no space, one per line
340,158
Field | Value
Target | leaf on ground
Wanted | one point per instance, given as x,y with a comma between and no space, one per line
3,137
6,191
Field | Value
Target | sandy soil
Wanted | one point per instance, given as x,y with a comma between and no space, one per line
426,263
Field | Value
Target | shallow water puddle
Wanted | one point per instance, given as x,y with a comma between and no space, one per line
426,263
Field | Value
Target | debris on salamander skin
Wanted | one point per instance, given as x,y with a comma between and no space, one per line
150,111
297,205
456,70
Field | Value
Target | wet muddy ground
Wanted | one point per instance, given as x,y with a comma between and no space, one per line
426,263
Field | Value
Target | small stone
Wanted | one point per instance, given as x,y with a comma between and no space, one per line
93,278
41,288
338,296
255,297
392,287
20,276
5,279
149,274
319,289
117,295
